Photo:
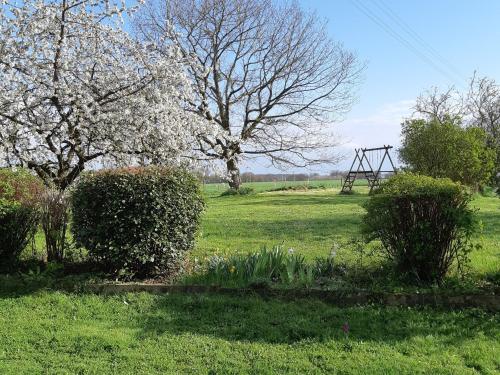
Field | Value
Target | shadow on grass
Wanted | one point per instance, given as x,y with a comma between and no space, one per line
72,278
305,200
254,319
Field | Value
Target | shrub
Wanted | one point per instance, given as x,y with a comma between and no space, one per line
137,222
54,219
19,186
18,225
18,212
446,149
424,224
240,191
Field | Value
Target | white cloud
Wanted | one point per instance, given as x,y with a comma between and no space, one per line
383,127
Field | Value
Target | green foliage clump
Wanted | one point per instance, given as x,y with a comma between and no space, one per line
445,149
265,266
240,191
137,222
19,212
19,186
424,224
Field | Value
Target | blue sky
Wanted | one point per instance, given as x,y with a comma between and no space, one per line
465,34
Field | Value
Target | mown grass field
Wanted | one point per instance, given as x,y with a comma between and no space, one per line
53,332
57,333
311,221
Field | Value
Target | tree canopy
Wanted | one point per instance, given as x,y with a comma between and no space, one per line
443,148
75,89
268,75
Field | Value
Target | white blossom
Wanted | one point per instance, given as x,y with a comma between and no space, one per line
75,89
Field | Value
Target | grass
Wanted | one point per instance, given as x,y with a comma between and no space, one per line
259,187
311,221
59,333
307,221
45,331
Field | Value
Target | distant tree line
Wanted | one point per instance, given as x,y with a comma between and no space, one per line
275,177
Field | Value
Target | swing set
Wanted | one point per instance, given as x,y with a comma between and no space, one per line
362,166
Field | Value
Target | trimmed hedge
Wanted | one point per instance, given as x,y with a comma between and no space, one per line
424,224
19,212
137,222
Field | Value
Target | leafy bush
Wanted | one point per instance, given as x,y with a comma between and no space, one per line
18,212
19,186
424,224
137,221
446,149
18,225
240,191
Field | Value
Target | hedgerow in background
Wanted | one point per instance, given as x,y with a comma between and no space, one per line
424,224
240,191
137,222
19,212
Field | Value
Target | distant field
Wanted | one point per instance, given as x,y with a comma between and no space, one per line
311,221
216,189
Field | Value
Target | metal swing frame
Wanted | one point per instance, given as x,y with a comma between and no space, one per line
372,176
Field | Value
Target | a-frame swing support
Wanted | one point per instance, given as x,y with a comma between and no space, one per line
373,176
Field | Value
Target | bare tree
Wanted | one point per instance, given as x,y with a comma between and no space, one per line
442,106
267,75
483,105
479,106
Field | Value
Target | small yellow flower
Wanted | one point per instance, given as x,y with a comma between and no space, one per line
232,269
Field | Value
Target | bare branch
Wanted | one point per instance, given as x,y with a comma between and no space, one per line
266,71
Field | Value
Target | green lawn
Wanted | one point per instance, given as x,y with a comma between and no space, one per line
58,333
52,332
311,221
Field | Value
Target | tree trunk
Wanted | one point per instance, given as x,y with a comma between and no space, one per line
234,174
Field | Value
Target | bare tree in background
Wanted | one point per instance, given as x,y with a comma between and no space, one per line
479,106
483,105
442,106
267,74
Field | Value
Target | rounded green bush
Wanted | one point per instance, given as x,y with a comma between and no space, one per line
424,223
137,222
19,213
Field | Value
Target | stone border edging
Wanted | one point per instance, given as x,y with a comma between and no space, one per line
485,301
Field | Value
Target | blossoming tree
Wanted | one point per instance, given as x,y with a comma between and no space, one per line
76,89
